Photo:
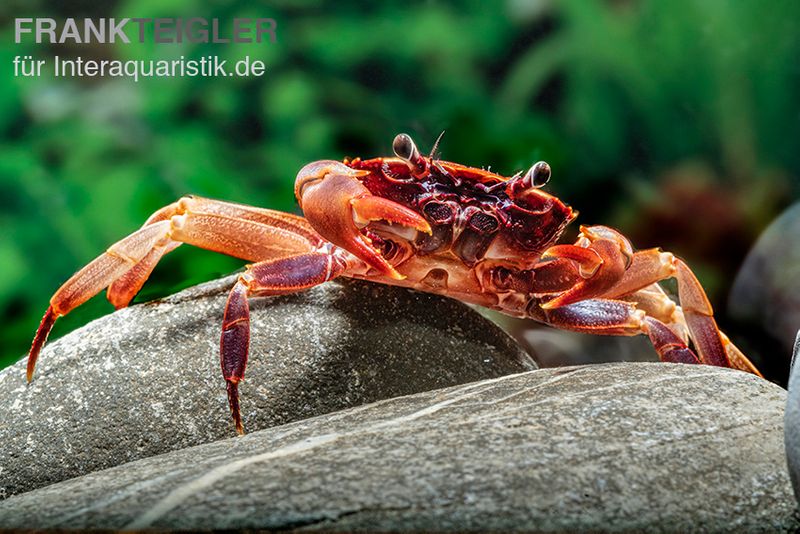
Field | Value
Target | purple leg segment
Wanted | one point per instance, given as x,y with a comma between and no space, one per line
273,277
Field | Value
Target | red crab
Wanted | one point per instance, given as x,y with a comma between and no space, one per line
431,225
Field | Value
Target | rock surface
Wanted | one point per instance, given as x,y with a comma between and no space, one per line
146,380
766,290
655,447
792,420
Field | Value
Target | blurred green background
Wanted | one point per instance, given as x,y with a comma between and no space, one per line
676,122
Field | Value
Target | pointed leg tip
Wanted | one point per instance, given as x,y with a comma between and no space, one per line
40,339
233,402
31,366
33,355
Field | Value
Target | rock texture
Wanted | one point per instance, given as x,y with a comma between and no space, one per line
655,447
146,380
792,420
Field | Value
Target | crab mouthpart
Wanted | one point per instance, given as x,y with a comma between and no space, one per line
334,200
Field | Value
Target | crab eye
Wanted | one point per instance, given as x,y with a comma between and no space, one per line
538,175
405,149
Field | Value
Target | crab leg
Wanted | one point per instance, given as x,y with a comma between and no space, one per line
669,346
620,273
95,276
614,317
121,292
653,300
274,277
240,231
712,345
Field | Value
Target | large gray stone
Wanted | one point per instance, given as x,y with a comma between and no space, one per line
766,290
655,447
146,380
792,419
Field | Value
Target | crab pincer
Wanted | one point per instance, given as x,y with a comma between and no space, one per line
338,205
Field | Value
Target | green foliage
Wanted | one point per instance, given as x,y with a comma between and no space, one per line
615,95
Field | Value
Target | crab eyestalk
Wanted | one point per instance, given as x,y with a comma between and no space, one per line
534,178
525,188
538,175
338,205
405,149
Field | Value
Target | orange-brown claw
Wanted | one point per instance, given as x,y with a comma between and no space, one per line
602,256
372,208
333,200
587,259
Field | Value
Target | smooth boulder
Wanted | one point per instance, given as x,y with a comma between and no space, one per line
766,290
615,447
146,380
792,419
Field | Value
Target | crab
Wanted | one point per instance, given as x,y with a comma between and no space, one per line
419,222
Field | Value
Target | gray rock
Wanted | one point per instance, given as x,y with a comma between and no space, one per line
146,380
766,289
792,419
656,447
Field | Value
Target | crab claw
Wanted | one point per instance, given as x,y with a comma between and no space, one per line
334,201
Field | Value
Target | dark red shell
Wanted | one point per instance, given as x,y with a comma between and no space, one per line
474,213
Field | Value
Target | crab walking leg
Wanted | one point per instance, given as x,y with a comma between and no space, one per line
294,224
121,292
197,205
638,284
243,239
713,346
618,318
610,269
127,264
274,277
95,276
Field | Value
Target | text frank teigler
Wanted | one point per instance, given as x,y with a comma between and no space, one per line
260,31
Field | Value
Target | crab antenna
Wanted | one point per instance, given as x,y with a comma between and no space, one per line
405,149
436,145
